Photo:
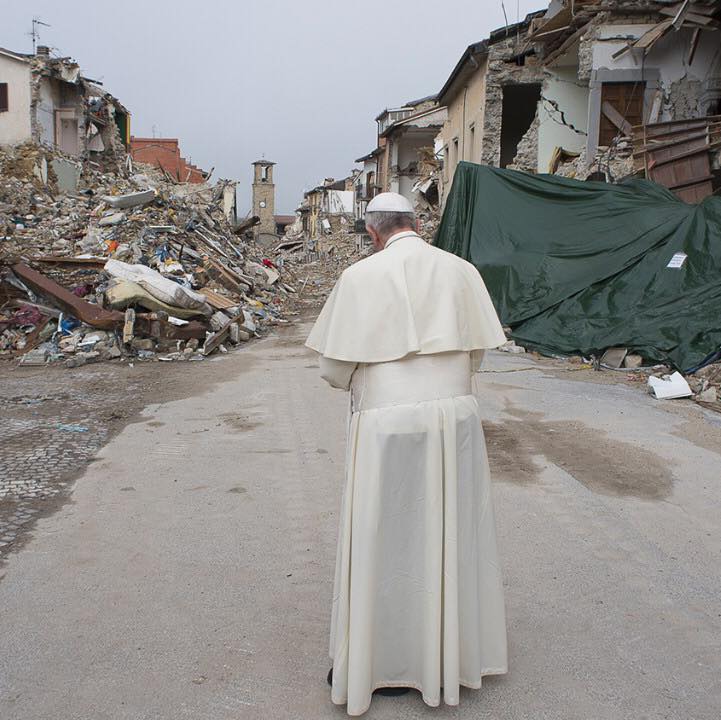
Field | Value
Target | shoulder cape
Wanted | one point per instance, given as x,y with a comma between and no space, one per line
409,298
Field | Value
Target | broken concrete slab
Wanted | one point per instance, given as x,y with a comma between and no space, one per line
709,395
67,173
633,362
114,219
123,202
614,357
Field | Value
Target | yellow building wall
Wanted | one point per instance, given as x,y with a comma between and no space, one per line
464,123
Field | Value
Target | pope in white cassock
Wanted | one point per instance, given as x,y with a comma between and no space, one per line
418,598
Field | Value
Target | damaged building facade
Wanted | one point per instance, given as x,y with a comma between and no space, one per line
571,83
405,136
328,207
46,100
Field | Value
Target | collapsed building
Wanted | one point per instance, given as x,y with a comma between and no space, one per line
576,82
46,100
404,160
328,208
104,258
164,153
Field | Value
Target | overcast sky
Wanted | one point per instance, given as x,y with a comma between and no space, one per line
296,81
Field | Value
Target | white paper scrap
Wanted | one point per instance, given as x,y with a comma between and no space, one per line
677,260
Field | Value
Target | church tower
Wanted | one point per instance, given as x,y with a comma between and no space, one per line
264,197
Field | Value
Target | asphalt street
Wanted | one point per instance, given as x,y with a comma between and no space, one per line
190,574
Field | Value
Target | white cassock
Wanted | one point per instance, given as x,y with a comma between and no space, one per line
418,598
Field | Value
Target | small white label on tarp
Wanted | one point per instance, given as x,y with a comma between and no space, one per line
677,260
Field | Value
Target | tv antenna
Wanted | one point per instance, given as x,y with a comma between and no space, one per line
35,33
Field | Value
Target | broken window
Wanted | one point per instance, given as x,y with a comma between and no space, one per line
4,107
519,109
627,99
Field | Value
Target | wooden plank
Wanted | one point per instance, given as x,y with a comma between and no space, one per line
652,36
129,326
566,45
61,260
691,15
704,9
216,300
616,118
692,47
691,122
680,14
685,154
216,339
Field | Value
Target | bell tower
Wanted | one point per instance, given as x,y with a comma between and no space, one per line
264,197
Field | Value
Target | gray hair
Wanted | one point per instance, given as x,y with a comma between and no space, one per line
386,223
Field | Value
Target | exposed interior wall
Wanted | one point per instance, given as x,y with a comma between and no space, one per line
59,115
15,124
338,202
563,88
49,99
687,89
408,162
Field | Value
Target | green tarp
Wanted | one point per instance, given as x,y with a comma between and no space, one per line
577,267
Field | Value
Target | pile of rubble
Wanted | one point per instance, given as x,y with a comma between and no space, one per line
611,164
127,265
316,265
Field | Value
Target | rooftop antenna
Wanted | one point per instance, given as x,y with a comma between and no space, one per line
35,33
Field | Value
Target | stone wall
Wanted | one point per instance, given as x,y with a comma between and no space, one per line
503,70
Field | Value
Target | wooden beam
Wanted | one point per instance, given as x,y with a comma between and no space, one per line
129,326
86,312
690,16
566,45
693,46
616,118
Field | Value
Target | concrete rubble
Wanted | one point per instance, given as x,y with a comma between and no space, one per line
127,266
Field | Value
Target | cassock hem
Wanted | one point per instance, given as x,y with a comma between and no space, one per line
431,702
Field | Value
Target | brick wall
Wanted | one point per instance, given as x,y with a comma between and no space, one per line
165,154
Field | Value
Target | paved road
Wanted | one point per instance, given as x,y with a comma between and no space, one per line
190,576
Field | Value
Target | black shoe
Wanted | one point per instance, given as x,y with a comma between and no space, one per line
329,679
393,692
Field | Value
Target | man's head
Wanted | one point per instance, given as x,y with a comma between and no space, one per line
387,214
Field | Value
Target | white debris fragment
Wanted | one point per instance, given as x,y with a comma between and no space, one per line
670,387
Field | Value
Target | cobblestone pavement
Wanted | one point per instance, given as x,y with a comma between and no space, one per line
53,421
